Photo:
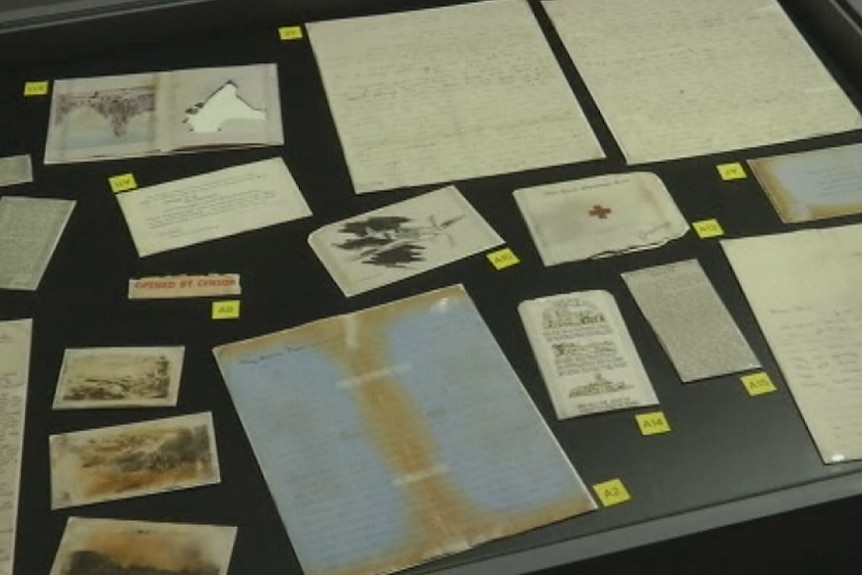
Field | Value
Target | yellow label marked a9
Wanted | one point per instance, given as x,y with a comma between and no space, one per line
708,229
758,384
502,259
226,309
36,88
123,183
730,172
611,492
652,423
286,33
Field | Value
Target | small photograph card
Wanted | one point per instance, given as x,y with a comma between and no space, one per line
15,170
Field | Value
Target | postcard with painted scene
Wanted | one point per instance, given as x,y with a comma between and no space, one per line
105,377
401,432
135,459
118,547
147,114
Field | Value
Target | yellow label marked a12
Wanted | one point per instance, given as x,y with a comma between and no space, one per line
652,423
758,383
730,172
502,259
36,88
123,183
708,229
286,33
226,309
611,492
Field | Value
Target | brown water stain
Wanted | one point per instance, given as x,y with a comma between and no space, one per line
151,550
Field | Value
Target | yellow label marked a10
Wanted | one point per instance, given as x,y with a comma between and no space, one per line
730,172
611,492
502,259
652,423
708,229
123,183
758,383
36,88
226,309
286,33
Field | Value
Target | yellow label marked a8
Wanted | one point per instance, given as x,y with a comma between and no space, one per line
503,259
36,88
730,172
758,383
226,309
611,492
652,423
123,183
286,33
708,229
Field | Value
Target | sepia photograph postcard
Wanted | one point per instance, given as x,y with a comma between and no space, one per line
135,459
114,377
118,547
402,240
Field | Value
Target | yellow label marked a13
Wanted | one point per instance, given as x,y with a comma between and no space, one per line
611,492
708,229
652,423
730,172
286,33
36,88
758,383
502,259
123,183
226,309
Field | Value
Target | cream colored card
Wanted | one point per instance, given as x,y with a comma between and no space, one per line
15,170
184,286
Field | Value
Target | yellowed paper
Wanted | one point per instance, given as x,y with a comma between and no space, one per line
174,287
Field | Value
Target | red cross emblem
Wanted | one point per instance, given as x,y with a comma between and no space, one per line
600,212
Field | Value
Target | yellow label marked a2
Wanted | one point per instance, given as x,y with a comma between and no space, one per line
611,492
758,384
708,229
36,88
502,259
730,172
286,33
652,423
226,309
123,183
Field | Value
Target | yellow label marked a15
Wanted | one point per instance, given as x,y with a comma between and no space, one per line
502,259
730,172
286,33
611,492
123,183
708,229
36,88
758,383
652,423
226,309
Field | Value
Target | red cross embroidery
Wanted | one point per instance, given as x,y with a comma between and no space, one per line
600,212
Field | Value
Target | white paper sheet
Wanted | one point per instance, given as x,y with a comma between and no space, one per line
210,206
804,290
448,93
15,170
679,78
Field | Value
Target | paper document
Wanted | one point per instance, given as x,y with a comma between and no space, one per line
15,170
401,240
15,339
585,353
600,216
813,185
803,288
211,206
399,431
448,93
690,320
111,117
680,78
30,229
174,287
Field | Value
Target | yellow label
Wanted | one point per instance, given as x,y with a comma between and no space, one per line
123,183
733,171
758,383
36,88
289,33
503,259
226,309
653,423
611,492
708,229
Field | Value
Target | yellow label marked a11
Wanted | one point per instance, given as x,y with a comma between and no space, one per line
758,383
36,88
611,492
286,33
708,229
652,423
123,183
502,259
730,172
226,309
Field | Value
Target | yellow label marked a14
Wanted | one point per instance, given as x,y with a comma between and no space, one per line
226,309
730,172
286,33
36,88
758,383
652,423
611,492
123,183
502,259
708,229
